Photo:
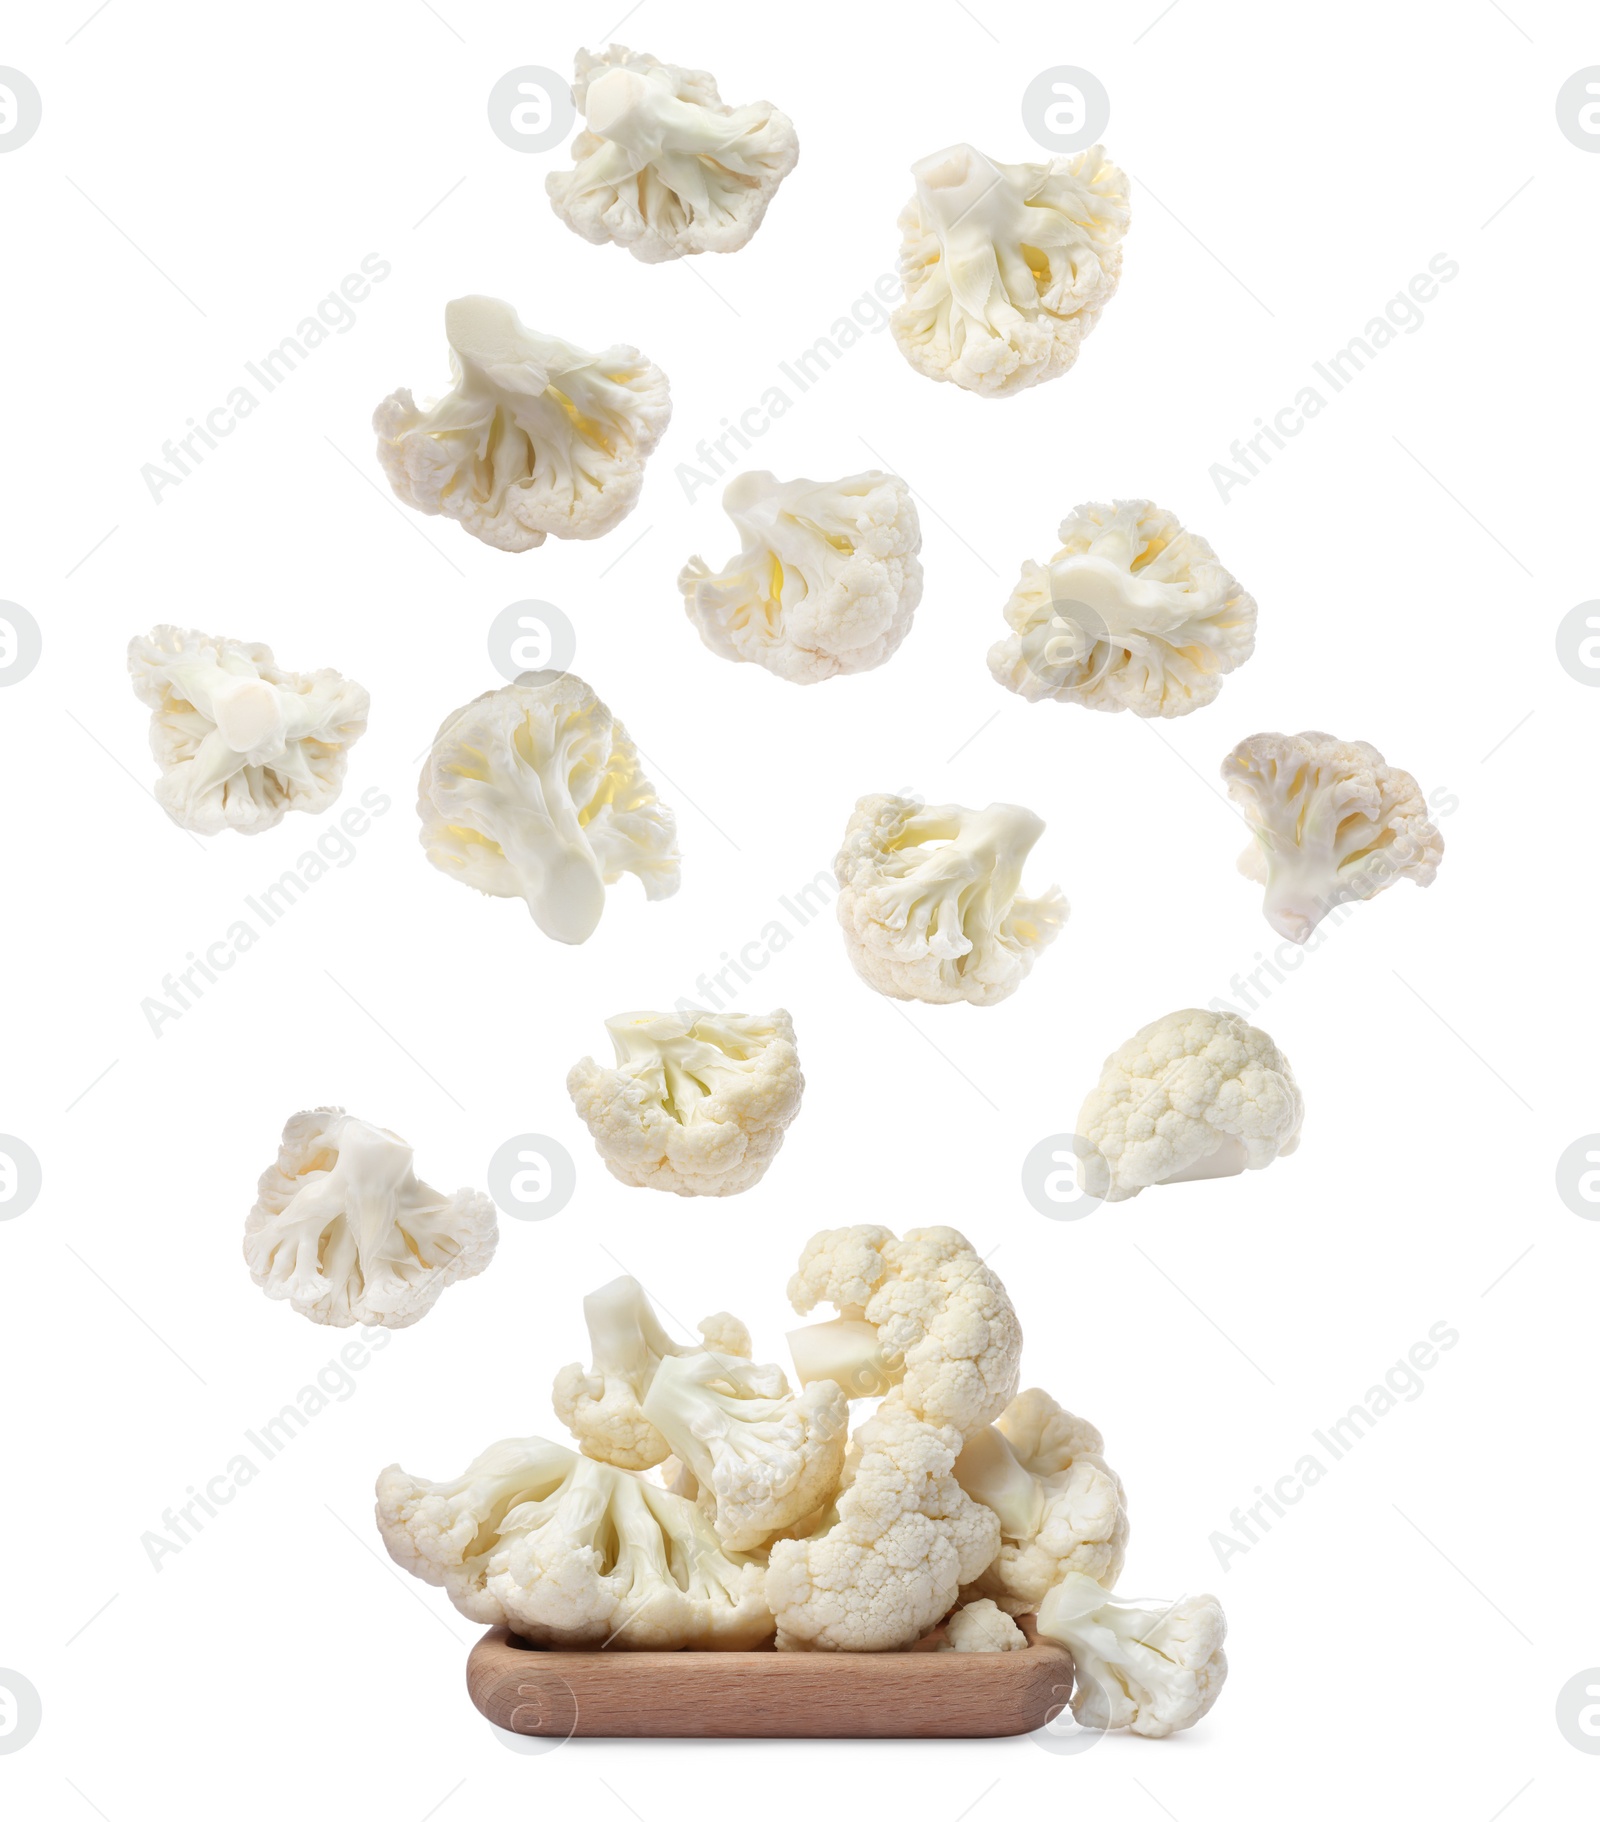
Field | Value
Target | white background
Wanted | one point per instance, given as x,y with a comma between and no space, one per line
202,178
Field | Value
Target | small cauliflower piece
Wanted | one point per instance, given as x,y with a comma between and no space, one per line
1333,822
535,792
981,1626
1006,267
891,1557
345,1232
1193,1095
1154,1667
699,1109
1133,612
239,740
663,166
826,579
535,436
931,902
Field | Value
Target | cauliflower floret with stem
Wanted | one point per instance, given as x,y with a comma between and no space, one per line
1193,1095
981,1626
345,1232
1333,822
698,1108
1154,1667
239,740
826,579
664,167
535,792
1133,612
1006,267
535,436
931,901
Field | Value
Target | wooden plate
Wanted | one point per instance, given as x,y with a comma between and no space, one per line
915,1694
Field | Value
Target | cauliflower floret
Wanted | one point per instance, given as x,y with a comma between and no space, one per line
344,1230
931,904
1133,612
924,1312
699,1109
565,1551
899,1544
826,580
1006,267
535,436
663,167
981,1626
1194,1095
534,791
1152,1666
240,741
1333,822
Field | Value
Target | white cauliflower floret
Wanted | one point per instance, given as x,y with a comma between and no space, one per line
1333,822
663,166
565,1552
344,1230
925,1313
240,741
826,580
1006,267
1154,1667
1194,1095
762,1462
603,1407
700,1108
535,792
1043,1473
931,903
1133,612
535,436
981,1626
901,1541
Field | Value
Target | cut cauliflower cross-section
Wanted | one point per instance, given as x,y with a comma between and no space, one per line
1333,823
241,741
931,902
663,166
698,1108
345,1232
535,436
535,792
826,579
1006,267
1133,612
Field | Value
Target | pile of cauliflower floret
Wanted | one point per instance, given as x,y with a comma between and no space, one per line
708,1505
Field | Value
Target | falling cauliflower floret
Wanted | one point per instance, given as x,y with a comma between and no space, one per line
343,1229
663,166
240,741
535,436
1006,267
1194,1095
826,579
981,1626
534,791
1133,612
931,903
696,1108
1333,822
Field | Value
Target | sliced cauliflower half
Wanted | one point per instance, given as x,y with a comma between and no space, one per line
1133,612
1194,1095
663,166
826,579
981,1626
931,899
1333,822
239,740
697,1108
535,792
535,436
1006,267
345,1232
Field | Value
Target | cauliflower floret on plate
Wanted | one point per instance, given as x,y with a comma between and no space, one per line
981,1626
